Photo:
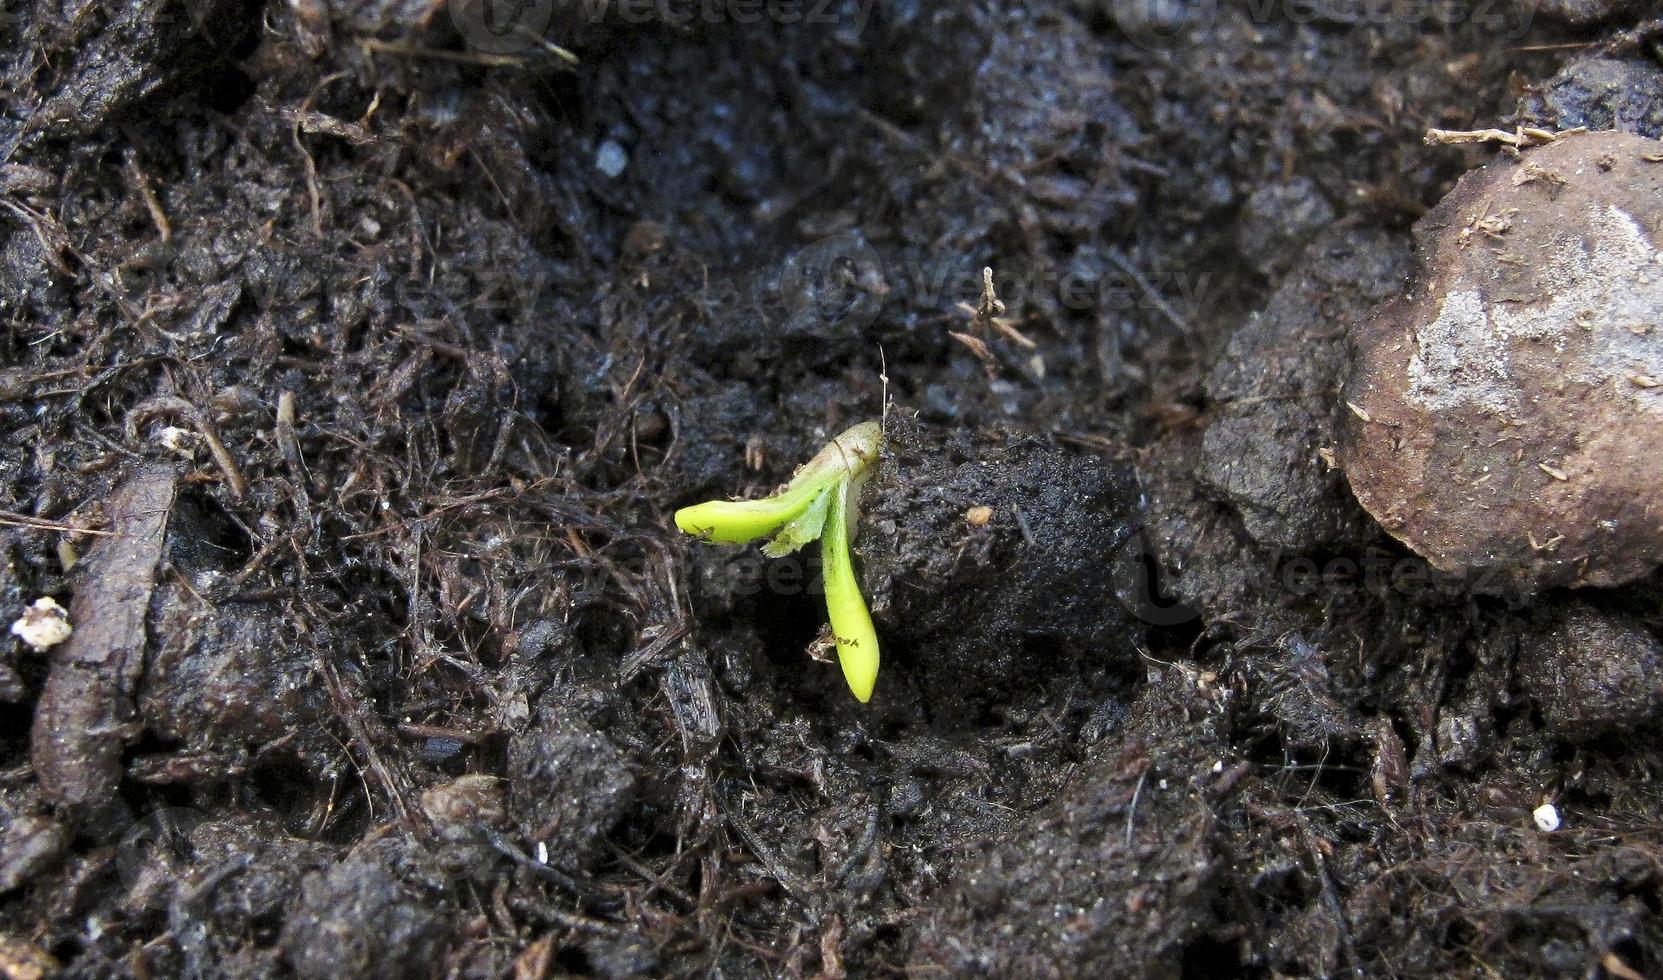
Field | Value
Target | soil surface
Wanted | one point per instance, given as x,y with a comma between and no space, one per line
356,355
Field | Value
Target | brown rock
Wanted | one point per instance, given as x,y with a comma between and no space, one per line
1506,416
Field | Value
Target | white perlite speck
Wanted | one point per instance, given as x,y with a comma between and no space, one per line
44,625
610,158
1547,818
181,442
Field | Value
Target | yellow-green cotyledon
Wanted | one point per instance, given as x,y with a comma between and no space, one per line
821,501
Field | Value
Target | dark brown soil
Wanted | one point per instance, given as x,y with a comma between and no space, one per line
353,365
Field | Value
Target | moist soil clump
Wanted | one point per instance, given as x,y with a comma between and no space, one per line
355,359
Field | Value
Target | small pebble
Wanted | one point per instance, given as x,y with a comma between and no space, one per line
44,625
610,158
181,442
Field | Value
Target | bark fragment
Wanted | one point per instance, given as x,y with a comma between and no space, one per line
85,717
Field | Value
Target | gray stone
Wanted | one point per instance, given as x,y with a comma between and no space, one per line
1600,93
1592,674
1275,388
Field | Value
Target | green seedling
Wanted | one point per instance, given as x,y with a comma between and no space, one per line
821,501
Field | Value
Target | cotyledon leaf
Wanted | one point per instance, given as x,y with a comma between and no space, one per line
741,521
